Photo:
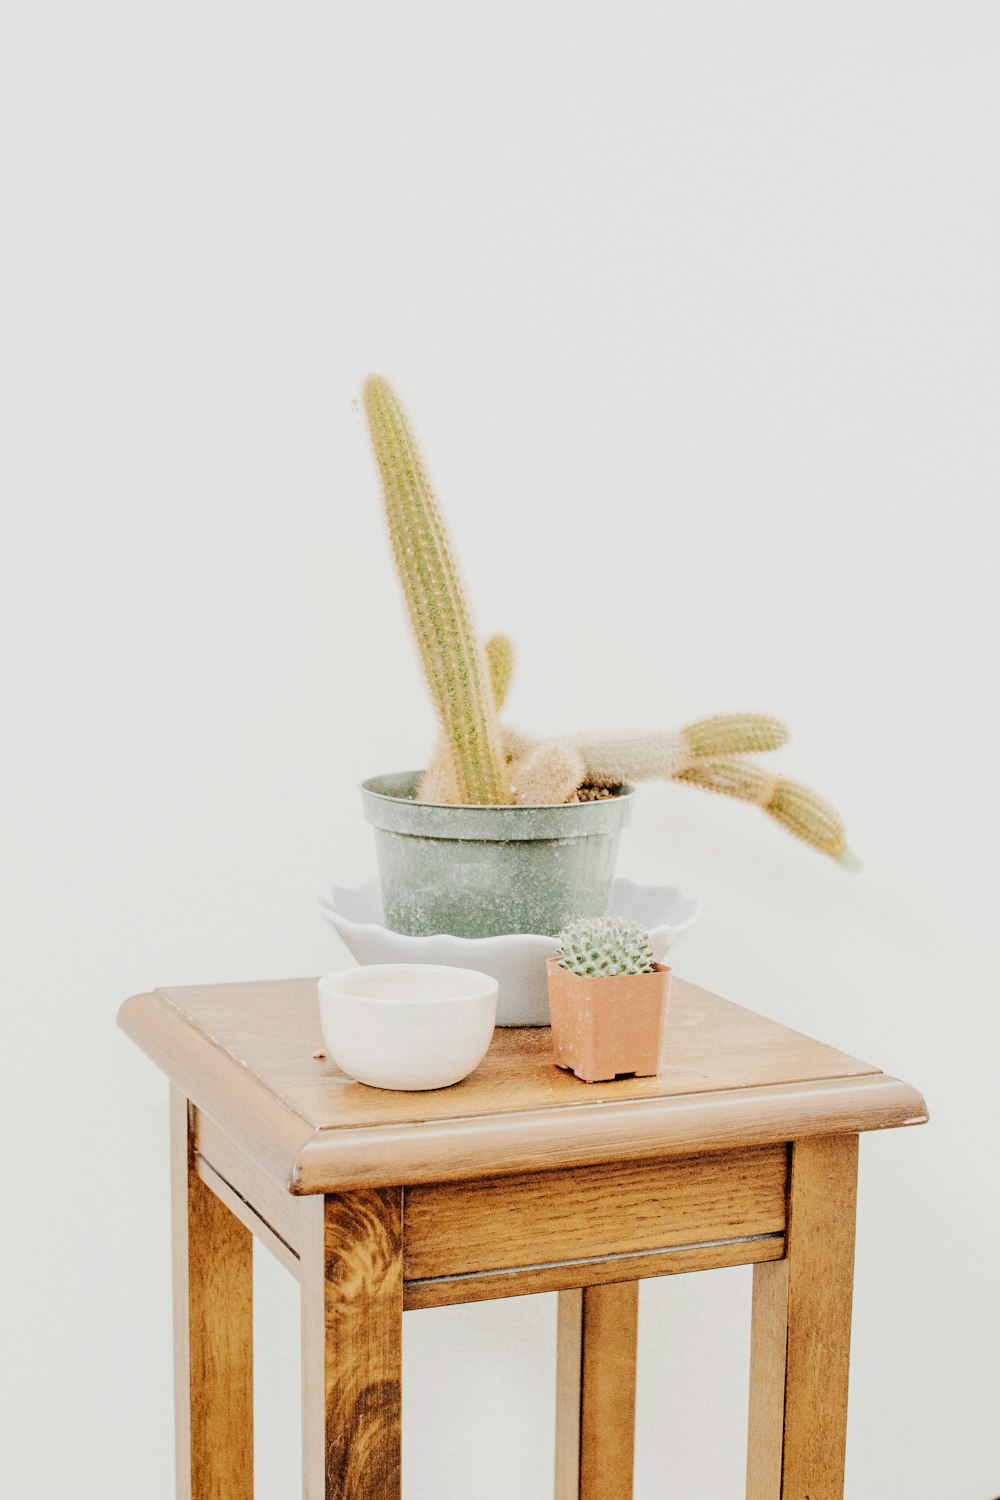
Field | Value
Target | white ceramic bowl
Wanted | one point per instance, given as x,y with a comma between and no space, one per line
407,1026
516,961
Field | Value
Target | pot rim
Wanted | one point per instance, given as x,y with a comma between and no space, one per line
390,804
624,790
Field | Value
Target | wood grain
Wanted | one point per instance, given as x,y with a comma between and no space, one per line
452,1150
243,1054
800,1344
583,1212
520,1179
446,1291
352,1316
595,1392
213,1332
247,1216
766,1426
569,1388
272,1029
268,1200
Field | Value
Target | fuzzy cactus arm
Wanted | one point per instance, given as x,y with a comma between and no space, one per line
809,816
516,745
437,784
500,662
611,759
454,663
797,808
731,777
548,773
734,734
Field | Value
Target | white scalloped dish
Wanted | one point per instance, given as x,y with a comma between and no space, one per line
517,960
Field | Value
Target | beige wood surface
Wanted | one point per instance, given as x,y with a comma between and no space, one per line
800,1344
243,1054
595,1392
213,1332
583,1212
352,1323
272,1030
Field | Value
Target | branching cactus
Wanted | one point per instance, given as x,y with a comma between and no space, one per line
798,809
601,947
454,663
734,734
612,759
479,761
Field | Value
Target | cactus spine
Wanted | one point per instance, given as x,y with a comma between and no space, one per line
548,773
437,783
601,947
797,808
500,661
612,759
735,734
454,663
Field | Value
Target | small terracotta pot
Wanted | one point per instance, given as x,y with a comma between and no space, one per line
603,1027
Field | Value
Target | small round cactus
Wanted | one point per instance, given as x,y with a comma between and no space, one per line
600,947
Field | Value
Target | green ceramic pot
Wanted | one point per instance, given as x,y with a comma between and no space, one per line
483,871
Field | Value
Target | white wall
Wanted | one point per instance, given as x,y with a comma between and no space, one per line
695,310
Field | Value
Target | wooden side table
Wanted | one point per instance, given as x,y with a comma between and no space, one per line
521,1179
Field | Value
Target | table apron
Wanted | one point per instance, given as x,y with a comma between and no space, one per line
541,1231
263,1205
585,1226
521,1281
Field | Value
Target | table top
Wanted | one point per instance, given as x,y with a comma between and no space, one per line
243,1053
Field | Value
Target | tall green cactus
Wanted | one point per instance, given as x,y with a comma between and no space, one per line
437,784
454,662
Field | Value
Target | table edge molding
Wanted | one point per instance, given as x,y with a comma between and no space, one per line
338,1159
239,1102
306,1159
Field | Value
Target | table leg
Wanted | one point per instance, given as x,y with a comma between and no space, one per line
352,1328
213,1331
801,1332
595,1392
